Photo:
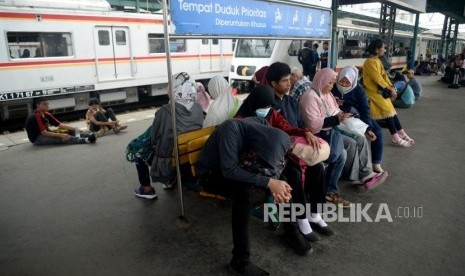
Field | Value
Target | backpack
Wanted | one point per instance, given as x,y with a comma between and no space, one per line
140,147
306,56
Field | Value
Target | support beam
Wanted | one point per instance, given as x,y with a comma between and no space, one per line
413,53
454,39
443,37
333,47
386,27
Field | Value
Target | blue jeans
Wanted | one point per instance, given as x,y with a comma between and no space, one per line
377,146
334,171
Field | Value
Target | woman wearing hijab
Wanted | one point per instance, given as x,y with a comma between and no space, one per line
382,109
224,105
355,101
259,104
189,116
221,156
203,99
358,166
321,114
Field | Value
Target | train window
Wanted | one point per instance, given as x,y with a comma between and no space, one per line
103,38
38,45
351,43
255,48
295,47
215,41
157,44
177,45
204,41
120,37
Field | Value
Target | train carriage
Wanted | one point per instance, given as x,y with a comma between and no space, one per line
73,50
353,36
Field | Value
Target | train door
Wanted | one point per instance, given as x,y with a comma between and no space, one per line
113,53
210,55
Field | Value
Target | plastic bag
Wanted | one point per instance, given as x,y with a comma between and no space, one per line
356,125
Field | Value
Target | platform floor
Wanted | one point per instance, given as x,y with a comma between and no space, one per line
69,210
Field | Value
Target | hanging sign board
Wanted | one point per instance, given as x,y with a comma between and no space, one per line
249,18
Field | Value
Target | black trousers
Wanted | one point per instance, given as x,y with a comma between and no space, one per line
313,191
240,219
102,117
392,123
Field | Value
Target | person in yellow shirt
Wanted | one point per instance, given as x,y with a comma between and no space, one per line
382,110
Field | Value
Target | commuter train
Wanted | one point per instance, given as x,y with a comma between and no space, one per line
70,51
353,36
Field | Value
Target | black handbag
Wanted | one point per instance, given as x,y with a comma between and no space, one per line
385,92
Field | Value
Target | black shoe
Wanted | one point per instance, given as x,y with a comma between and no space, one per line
312,236
295,239
91,138
326,231
246,268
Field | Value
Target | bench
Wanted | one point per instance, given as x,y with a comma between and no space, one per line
190,145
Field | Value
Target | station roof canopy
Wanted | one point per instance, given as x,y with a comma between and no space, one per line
452,8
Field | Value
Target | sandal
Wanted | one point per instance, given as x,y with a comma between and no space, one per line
408,139
401,143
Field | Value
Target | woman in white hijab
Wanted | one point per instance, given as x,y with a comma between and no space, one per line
358,167
189,116
224,105
354,100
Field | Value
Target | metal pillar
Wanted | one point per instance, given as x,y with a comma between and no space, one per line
173,106
137,6
451,33
386,27
454,39
443,37
413,51
333,47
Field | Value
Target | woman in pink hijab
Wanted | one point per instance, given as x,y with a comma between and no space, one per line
321,114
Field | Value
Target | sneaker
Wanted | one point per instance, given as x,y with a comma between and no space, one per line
375,181
246,268
91,138
295,239
336,199
326,231
140,192
170,184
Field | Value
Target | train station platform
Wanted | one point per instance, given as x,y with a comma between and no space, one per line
69,210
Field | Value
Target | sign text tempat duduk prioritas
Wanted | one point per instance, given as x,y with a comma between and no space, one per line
249,18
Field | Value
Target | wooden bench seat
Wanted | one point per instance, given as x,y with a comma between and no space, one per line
190,145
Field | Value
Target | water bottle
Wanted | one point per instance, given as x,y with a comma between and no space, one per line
77,133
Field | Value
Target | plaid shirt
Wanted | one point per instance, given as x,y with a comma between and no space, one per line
302,85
